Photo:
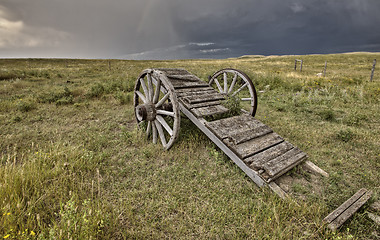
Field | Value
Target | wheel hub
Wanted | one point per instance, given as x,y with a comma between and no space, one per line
146,112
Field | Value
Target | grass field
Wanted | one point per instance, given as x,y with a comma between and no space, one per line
73,165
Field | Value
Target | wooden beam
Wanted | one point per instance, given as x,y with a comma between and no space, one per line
347,209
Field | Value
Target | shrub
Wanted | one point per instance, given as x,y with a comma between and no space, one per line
96,91
25,105
345,135
233,104
327,115
60,97
124,98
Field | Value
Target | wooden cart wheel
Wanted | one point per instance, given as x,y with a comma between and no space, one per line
235,83
156,107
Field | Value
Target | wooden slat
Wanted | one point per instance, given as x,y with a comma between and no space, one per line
246,135
255,145
186,77
283,163
333,215
314,168
226,127
199,105
195,89
177,84
257,161
194,93
174,71
204,98
347,209
210,110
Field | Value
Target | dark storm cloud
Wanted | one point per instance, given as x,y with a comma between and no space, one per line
165,29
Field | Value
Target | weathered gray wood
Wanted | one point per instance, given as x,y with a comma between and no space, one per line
186,77
209,110
191,90
279,165
160,132
255,145
246,135
195,94
280,192
312,167
347,209
169,92
187,84
199,105
257,161
174,71
373,69
204,98
224,128
250,173
333,215
324,70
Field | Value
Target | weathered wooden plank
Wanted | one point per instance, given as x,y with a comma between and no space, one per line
185,77
348,212
204,98
195,89
283,163
280,192
200,124
257,161
177,84
314,168
194,94
255,145
226,127
246,135
333,215
199,105
174,71
209,110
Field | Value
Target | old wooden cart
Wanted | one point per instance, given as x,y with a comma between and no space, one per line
161,94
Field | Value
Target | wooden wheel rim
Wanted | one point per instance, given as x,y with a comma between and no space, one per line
227,90
156,106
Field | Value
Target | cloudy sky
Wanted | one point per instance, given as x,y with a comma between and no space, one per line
175,29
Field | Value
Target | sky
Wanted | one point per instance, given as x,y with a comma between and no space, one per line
183,29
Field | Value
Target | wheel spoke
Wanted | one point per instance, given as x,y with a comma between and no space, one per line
233,83
157,92
225,82
145,89
167,113
141,96
160,132
154,130
149,128
218,85
159,104
246,99
241,88
150,87
164,124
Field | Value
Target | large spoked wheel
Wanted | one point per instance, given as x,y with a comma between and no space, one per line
156,107
236,84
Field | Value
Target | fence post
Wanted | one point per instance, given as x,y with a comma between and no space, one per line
373,69
301,65
324,70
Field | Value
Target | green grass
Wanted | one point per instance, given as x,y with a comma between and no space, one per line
73,164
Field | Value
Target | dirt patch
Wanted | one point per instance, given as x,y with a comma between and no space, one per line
301,182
